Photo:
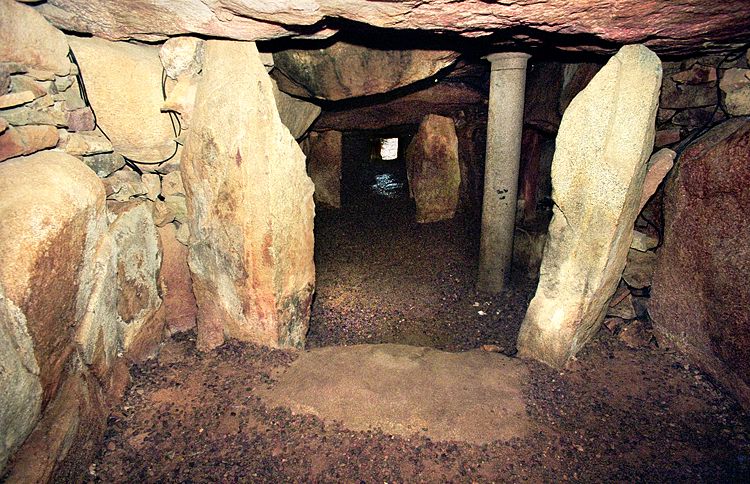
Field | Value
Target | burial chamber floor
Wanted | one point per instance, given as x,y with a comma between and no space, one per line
613,414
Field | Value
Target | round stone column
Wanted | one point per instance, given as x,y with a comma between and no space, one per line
504,127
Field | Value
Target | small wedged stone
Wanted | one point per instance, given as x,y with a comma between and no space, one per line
735,84
85,143
104,164
123,185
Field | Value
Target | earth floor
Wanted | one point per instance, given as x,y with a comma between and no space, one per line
613,414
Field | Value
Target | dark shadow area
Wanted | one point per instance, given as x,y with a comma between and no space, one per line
384,278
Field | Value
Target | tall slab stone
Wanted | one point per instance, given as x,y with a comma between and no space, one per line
250,207
699,296
324,166
432,169
605,139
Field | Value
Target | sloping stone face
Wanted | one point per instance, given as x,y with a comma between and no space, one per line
296,114
699,297
604,141
250,207
668,26
123,83
345,70
324,166
432,169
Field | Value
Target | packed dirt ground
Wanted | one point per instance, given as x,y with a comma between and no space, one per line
614,414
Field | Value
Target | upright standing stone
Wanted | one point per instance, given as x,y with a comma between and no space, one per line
250,207
324,166
432,167
504,125
605,138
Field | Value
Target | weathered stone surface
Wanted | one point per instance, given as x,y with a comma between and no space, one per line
152,182
19,83
345,70
25,140
697,74
735,84
14,99
699,295
296,114
66,439
104,164
668,26
432,169
21,398
48,245
639,270
251,208
123,185
127,98
643,242
681,96
81,119
28,39
161,213
176,283
34,114
598,170
474,396
138,262
544,83
182,56
697,117
177,206
172,184
666,137
324,166
445,99
85,143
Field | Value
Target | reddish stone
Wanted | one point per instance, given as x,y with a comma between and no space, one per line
145,344
697,74
665,26
81,120
666,137
176,283
700,299
25,140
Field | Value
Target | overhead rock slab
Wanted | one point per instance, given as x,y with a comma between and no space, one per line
250,206
432,169
443,98
324,166
605,139
124,85
699,299
473,397
345,70
668,26
28,39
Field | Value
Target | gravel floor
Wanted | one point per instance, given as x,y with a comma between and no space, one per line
615,414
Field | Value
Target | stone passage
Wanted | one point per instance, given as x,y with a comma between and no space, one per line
250,205
473,396
605,139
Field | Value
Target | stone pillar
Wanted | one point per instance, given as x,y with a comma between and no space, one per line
504,126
